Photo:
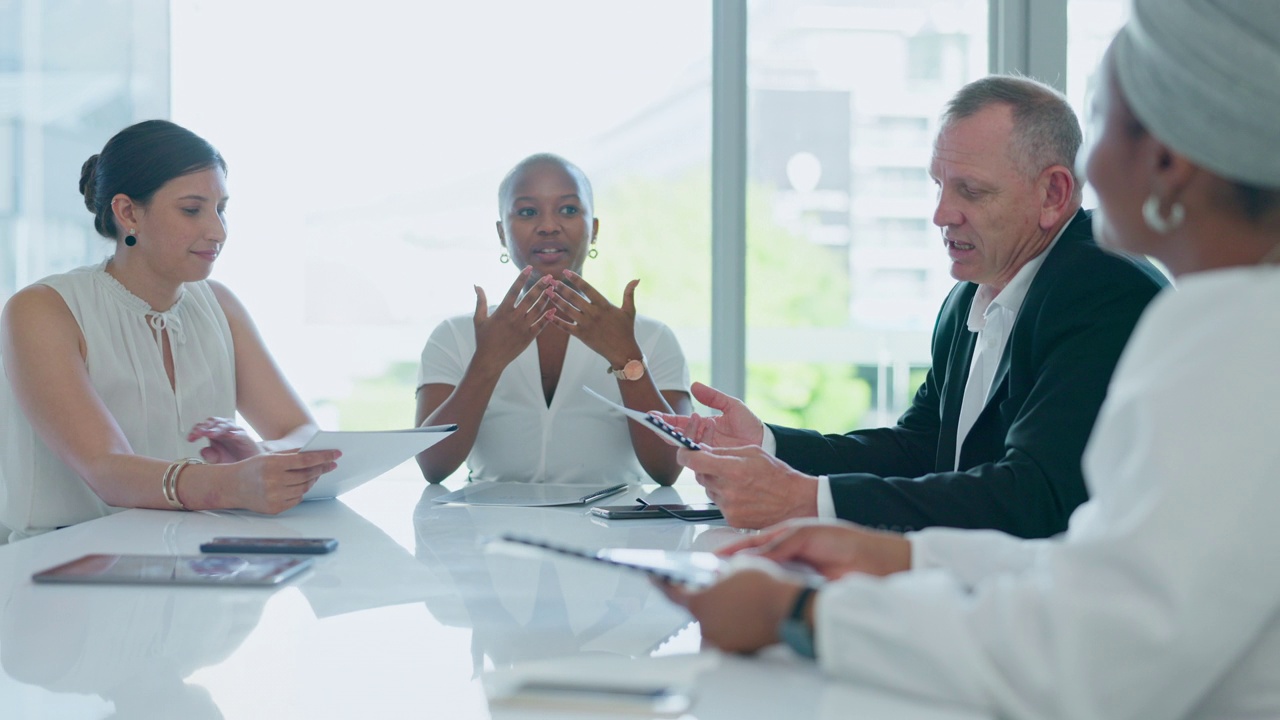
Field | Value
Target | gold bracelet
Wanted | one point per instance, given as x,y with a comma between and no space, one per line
171,488
164,485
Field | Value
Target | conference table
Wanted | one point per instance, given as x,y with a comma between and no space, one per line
413,616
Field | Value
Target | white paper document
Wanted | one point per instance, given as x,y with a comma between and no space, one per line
524,494
657,425
368,454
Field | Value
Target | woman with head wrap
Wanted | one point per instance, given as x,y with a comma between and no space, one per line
1156,603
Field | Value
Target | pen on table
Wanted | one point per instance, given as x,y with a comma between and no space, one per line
604,493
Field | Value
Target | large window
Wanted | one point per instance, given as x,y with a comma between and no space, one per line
845,269
1091,24
366,146
71,74
365,143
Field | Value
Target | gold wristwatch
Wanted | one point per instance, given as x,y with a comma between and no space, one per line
632,370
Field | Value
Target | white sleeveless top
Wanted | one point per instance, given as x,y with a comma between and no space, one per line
124,358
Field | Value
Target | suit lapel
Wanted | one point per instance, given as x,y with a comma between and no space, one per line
958,362
1072,234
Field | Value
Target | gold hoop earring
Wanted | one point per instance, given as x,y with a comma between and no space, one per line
1157,221
593,253
504,258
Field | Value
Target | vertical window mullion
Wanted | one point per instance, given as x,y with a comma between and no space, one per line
729,195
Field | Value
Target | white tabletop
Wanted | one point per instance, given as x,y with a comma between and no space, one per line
410,617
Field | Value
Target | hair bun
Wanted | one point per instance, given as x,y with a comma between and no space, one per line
88,182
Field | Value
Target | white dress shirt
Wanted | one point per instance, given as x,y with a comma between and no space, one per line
577,439
992,315
1157,602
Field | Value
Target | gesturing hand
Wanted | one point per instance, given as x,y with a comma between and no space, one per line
516,322
736,426
228,442
752,488
584,313
832,547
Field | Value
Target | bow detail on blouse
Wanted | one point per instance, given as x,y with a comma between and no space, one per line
170,321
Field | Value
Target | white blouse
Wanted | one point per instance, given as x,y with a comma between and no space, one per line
1161,600
578,439
38,491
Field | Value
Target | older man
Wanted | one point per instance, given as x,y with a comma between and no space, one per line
1023,350
1157,601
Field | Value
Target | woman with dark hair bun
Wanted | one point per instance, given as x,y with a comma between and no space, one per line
118,373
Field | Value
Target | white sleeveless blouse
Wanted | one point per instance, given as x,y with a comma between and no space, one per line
124,357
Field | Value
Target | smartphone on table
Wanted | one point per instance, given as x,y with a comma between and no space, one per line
704,511
284,545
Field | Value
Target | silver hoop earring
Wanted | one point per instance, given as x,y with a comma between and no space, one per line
593,253
1158,222
504,258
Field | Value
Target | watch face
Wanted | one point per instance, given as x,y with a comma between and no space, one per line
633,370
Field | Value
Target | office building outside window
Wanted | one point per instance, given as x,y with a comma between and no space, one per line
846,270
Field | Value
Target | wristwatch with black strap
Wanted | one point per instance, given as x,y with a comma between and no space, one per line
795,631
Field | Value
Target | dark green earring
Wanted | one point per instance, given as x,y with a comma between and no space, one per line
130,240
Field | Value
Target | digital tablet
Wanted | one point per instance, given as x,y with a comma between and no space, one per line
522,494
586,696
693,568
255,570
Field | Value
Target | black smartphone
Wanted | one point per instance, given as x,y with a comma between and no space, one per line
705,511
285,545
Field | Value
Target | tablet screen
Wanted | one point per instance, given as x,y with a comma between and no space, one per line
176,569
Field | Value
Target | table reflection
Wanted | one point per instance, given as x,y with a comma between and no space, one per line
528,608
131,647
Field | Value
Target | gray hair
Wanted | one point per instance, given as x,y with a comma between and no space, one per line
1046,131
507,186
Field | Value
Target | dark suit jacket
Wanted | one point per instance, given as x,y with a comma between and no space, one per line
1021,460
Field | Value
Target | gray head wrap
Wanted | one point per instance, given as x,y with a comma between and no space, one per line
1204,77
